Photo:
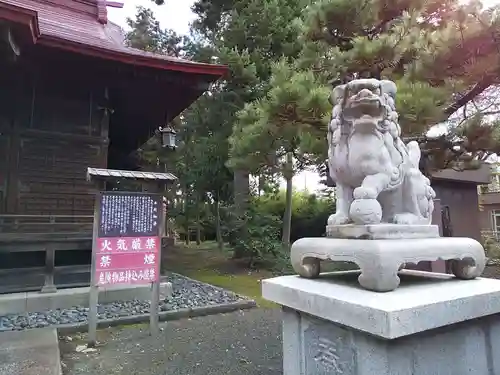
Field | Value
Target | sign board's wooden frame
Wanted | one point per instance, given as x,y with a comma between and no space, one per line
155,180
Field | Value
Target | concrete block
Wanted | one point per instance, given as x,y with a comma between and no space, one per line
423,301
32,352
166,290
443,326
11,303
140,292
63,298
20,303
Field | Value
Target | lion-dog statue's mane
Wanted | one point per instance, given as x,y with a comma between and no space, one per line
377,176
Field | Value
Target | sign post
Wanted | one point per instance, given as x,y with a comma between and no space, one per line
126,248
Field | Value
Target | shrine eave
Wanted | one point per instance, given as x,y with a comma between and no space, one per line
135,59
56,30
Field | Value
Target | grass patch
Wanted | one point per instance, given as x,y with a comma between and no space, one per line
208,264
246,285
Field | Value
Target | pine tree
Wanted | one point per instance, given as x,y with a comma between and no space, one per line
441,54
147,34
248,36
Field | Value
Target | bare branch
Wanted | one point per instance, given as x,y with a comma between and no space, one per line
478,88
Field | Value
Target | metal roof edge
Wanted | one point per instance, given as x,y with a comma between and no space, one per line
23,16
93,173
134,59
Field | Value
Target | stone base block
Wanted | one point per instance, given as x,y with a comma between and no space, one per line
380,260
442,326
382,231
21,303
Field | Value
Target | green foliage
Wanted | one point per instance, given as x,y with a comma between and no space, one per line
491,245
146,34
309,215
199,161
283,56
250,36
203,149
262,239
262,246
416,116
260,139
430,48
266,129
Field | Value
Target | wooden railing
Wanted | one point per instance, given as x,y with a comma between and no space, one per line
45,224
48,233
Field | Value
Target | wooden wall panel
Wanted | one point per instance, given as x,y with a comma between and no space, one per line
4,153
64,108
462,200
52,176
54,132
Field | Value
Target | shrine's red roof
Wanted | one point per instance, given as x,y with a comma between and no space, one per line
80,26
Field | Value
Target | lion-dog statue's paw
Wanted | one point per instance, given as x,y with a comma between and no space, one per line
338,218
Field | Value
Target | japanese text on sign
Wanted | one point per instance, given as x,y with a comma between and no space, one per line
124,260
130,214
128,244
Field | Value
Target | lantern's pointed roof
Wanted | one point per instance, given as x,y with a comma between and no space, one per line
81,26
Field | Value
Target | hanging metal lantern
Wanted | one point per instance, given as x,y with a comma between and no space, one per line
168,137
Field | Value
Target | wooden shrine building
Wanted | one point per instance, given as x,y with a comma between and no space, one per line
73,96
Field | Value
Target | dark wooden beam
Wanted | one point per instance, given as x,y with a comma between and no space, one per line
8,41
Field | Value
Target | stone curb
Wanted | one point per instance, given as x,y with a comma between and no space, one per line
68,329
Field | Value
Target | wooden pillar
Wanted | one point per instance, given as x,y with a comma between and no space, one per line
12,202
50,255
50,266
154,321
94,289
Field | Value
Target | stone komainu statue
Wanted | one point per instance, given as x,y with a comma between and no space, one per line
376,174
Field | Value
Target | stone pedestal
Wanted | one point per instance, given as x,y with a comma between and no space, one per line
433,324
386,249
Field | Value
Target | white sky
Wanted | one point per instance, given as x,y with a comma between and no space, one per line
174,14
177,15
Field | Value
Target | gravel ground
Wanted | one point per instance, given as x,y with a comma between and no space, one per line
239,343
186,293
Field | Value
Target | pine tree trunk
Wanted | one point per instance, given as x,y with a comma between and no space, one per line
241,196
287,217
186,216
218,226
262,182
198,224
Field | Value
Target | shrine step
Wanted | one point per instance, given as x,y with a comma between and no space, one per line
32,352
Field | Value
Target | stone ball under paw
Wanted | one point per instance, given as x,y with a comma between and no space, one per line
365,211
